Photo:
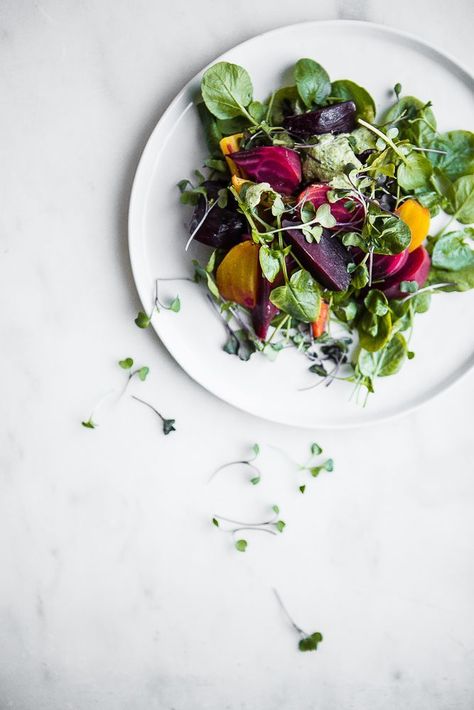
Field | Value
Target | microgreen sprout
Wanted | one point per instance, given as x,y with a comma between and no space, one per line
143,319
272,526
307,642
255,471
168,424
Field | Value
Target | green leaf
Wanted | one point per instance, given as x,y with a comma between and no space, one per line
360,275
142,320
453,251
458,159
227,90
310,643
257,110
326,466
168,426
275,509
255,480
211,130
280,525
414,119
256,449
461,280
376,302
300,298
463,208
302,489
316,449
349,91
89,424
325,217
241,545
392,356
229,126
175,305
269,263
312,82
408,286
215,522
143,373
231,345
374,331
415,172
126,364
285,102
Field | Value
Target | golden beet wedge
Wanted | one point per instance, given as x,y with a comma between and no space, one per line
417,218
229,145
237,274
237,182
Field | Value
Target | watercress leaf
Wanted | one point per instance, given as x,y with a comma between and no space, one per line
316,449
126,364
143,373
390,235
392,356
374,331
312,82
223,197
414,119
227,90
350,91
257,110
376,302
453,251
280,525
142,320
414,172
229,126
212,132
285,102
360,276
269,263
310,643
325,216
241,545
354,239
175,305
461,280
328,465
300,298
367,363
216,164
463,208
458,157
421,302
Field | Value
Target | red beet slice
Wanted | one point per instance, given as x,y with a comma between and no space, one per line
280,167
264,310
385,265
326,261
416,268
317,195
339,118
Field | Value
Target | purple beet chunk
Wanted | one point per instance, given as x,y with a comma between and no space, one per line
326,261
223,226
280,167
338,118
264,310
416,268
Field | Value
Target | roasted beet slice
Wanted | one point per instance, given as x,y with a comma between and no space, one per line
280,167
338,118
383,265
264,310
317,195
224,226
326,261
416,268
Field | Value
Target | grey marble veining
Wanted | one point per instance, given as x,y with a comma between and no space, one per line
115,592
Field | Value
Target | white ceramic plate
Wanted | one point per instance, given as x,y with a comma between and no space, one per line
377,58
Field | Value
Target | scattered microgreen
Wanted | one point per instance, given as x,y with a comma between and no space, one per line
167,424
307,642
89,424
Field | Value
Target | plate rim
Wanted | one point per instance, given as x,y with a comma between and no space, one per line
134,220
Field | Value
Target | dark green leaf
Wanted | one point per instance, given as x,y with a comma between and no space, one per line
392,356
349,91
168,426
463,208
215,522
316,449
312,82
231,345
302,489
226,89
142,320
374,331
458,159
211,130
376,302
414,119
89,424
255,480
269,262
310,643
126,364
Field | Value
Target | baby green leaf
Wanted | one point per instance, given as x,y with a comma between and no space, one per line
143,373
408,286
392,356
175,305
463,209
227,90
126,364
458,157
299,298
168,426
241,545
215,522
89,424
312,82
310,643
256,449
142,320
374,331
269,262
376,302
324,216
349,91
302,489
414,172
316,449
275,509
452,251
255,480
280,525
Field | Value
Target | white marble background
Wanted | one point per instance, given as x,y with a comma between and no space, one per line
115,592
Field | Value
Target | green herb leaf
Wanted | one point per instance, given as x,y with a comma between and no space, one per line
302,489
300,298
415,172
374,331
376,302
360,276
349,91
280,525
89,424
414,119
255,480
463,208
269,263
215,522
392,356
408,286
175,305
275,509
310,643
126,364
312,82
316,449
256,449
142,320
241,545
231,345
169,426
453,251
458,157
227,90
143,373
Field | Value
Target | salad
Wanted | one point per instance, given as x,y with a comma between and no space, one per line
318,215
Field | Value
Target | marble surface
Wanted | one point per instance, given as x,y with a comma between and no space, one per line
115,591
